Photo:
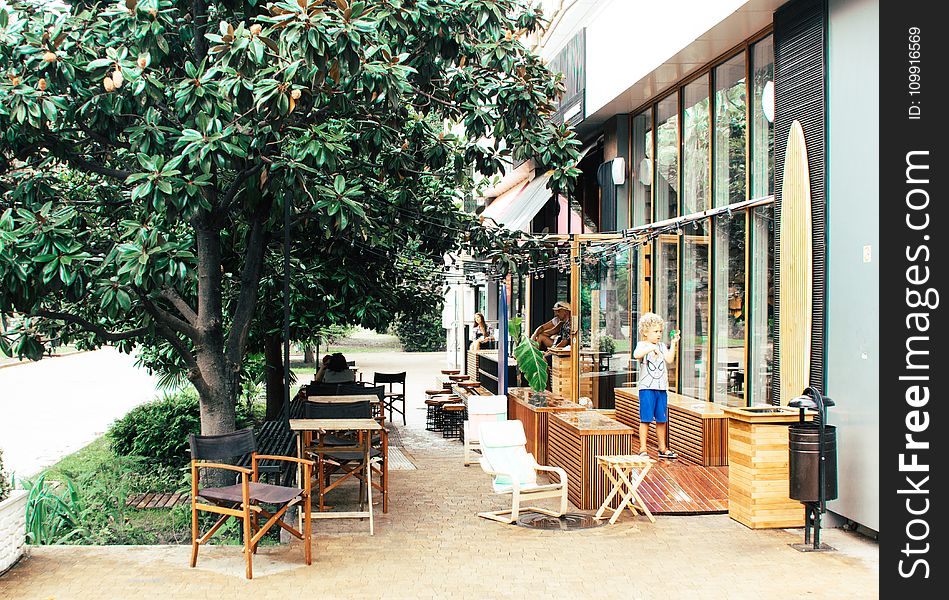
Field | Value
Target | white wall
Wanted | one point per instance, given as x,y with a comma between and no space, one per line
853,310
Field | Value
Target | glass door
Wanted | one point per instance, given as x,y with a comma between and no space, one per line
605,334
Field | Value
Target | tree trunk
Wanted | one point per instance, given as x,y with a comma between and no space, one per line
273,355
309,356
219,399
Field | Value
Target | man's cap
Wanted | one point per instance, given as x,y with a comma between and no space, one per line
561,306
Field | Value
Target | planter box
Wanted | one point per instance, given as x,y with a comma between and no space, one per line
12,529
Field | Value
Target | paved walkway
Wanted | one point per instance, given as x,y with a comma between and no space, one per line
431,544
55,406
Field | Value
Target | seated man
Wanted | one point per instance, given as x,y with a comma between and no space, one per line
555,333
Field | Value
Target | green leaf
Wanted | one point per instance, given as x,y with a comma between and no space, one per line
531,362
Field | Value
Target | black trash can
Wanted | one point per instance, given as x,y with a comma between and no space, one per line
804,462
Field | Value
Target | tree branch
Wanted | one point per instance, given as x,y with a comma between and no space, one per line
235,187
169,294
199,8
102,332
82,164
103,139
194,372
171,321
254,248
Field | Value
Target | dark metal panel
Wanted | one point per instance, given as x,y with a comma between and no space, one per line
800,66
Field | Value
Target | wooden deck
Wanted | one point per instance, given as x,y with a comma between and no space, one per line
681,487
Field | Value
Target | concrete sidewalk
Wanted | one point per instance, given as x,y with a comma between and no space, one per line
431,544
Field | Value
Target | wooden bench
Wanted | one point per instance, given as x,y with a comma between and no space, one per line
697,430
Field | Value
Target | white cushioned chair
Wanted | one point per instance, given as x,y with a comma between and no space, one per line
481,409
504,455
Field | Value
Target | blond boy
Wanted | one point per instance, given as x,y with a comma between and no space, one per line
653,382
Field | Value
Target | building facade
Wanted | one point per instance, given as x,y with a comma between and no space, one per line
729,184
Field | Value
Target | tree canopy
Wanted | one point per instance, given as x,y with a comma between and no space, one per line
148,149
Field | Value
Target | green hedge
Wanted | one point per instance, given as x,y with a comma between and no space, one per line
421,332
159,429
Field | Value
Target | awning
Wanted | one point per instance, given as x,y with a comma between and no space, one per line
516,207
515,210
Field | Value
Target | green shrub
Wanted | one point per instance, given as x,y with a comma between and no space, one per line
5,484
159,430
421,332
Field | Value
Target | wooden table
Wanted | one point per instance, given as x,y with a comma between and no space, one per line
535,415
758,469
364,428
574,441
697,430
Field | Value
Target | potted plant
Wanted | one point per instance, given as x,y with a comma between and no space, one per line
607,345
12,520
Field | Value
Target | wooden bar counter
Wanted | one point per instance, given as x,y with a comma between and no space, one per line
758,467
697,430
574,441
535,416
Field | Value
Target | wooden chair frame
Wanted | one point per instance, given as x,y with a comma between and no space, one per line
248,511
518,495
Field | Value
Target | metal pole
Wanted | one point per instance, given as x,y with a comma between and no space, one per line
287,197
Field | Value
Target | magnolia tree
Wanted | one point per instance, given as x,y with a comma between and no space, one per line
148,150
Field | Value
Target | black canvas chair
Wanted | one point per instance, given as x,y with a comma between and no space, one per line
351,389
348,463
244,500
394,395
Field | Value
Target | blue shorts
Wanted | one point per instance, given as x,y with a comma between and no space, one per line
653,406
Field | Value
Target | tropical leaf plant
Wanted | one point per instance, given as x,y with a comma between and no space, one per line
530,361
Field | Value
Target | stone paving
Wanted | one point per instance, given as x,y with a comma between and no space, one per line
431,544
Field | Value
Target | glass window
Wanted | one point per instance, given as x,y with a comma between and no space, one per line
729,310
695,147
728,303
641,168
761,294
730,131
604,322
761,340
666,287
667,158
694,345
762,118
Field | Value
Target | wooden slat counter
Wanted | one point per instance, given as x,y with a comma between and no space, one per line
535,417
758,467
574,441
697,430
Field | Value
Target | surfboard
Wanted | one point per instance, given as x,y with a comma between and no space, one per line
796,269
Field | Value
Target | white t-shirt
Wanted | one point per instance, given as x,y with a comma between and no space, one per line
653,371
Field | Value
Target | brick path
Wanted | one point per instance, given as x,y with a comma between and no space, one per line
431,544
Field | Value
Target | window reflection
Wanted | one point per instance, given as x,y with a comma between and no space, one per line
694,345
667,158
729,272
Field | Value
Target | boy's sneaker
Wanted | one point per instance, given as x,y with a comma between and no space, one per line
668,454
644,454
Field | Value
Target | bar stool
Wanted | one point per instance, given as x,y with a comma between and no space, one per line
450,371
435,405
453,418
